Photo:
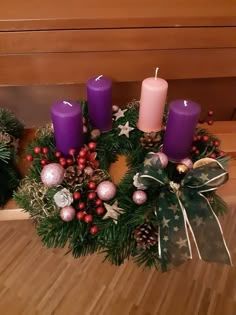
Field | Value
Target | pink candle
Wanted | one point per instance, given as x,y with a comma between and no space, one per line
152,104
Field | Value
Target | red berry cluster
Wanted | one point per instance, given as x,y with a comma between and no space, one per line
208,119
88,204
205,145
41,152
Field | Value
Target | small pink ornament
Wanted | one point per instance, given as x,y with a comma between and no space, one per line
115,108
52,174
187,162
162,157
67,213
106,190
139,197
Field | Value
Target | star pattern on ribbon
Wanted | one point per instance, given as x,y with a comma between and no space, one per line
113,211
120,113
125,129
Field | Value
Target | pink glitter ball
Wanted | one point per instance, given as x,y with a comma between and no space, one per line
52,174
187,162
106,190
139,197
162,157
67,213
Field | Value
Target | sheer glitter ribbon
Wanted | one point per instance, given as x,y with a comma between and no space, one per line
183,208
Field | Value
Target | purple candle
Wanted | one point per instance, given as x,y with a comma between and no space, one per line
99,97
181,123
67,121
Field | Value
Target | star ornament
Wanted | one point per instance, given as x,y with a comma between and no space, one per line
113,211
125,130
120,113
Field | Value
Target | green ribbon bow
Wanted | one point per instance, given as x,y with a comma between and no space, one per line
183,208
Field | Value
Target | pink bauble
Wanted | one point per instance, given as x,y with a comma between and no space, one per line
67,213
115,108
162,157
106,190
52,174
187,162
139,197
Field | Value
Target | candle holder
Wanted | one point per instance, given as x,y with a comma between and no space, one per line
150,216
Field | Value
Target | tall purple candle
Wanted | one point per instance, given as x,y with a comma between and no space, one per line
99,97
67,121
181,123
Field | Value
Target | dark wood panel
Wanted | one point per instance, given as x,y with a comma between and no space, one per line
58,14
119,66
122,39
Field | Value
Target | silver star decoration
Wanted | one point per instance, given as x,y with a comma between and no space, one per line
165,238
176,217
147,162
165,222
120,113
176,229
182,242
174,208
125,130
198,220
204,177
113,211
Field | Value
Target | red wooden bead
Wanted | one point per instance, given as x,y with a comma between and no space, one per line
76,195
37,150
29,157
100,210
88,218
92,145
45,150
58,154
94,230
80,215
92,185
81,205
92,195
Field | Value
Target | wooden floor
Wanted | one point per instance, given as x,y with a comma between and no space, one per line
35,280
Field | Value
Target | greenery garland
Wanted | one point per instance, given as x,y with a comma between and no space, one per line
11,129
121,228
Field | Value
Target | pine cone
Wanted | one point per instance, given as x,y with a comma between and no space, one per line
150,140
73,175
146,235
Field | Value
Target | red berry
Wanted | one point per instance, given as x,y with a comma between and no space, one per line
69,161
100,210
98,202
45,150
80,215
93,229
29,157
221,153
213,155
199,137
92,145
86,149
92,185
62,159
216,143
194,148
194,138
43,161
81,205
37,150
76,195
205,138
92,195
63,162
82,160
82,153
210,122
81,166
58,154
197,152
72,151
210,113
88,218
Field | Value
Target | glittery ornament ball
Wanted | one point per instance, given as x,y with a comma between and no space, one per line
187,162
67,213
162,157
52,174
139,197
106,190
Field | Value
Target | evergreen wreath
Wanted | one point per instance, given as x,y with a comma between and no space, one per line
144,217
11,130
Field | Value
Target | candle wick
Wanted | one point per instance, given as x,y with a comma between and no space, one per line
99,77
67,103
156,73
